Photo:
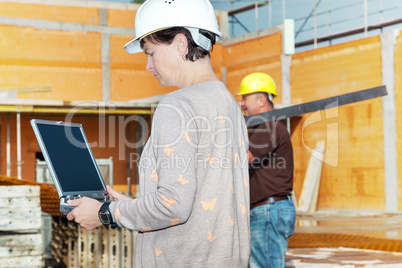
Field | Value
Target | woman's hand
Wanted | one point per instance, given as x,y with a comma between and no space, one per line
86,212
116,195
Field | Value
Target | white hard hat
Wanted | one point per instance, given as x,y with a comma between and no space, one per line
154,15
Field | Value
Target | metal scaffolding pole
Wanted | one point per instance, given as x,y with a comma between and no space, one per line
19,145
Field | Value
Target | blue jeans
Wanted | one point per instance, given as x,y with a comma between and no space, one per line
270,227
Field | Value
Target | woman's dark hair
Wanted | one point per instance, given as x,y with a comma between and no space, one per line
166,37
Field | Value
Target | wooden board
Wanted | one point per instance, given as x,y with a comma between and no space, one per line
102,247
308,197
20,250
23,262
21,219
13,245
317,105
127,248
20,208
115,247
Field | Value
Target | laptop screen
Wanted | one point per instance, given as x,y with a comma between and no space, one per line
69,157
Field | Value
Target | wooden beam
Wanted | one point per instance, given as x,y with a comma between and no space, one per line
317,105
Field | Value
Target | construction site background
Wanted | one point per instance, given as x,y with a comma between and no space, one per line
57,54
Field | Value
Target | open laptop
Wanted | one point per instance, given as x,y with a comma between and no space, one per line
70,161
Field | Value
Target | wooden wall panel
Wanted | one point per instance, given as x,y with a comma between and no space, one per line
84,15
68,64
336,70
217,56
121,18
129,79
355,180
135,84
120,59
53,83
30,46
253,50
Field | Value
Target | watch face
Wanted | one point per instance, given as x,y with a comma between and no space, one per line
104,218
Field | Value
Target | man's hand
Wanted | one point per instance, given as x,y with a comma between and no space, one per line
86,212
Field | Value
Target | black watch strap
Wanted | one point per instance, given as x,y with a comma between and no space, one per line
105,216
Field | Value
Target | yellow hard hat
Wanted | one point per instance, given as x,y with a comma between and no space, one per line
257,82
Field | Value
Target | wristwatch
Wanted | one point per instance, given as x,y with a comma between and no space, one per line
105,216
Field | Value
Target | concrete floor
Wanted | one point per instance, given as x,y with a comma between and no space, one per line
372,226
341,257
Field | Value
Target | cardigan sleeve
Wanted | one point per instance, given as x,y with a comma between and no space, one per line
169,167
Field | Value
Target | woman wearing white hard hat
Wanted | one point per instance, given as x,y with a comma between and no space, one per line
193,209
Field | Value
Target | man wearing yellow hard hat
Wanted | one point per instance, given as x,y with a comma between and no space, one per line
270,156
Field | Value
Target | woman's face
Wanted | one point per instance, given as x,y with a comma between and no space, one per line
163,62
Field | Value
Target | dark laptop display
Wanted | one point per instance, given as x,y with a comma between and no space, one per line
70,161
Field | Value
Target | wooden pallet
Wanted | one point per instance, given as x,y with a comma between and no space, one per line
20,222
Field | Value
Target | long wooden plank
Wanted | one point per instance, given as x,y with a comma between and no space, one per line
82,247
104,247
92,248
127,248
115,247
14,245
22,261
16,191
317,105
22,219
309,194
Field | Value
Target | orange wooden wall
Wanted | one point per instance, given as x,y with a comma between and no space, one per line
260,54
66,60
67,65
353,169
353,175
37,58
